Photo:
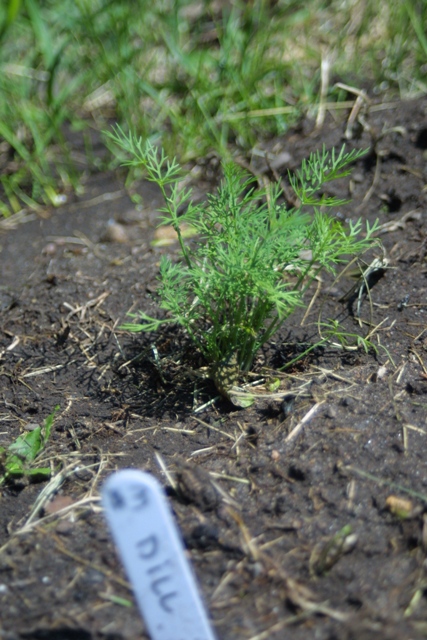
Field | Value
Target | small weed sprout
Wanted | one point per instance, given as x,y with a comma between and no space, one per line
20,457
253,258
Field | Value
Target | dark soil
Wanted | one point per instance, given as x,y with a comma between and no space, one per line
268,550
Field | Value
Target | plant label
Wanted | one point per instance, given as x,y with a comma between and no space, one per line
153,555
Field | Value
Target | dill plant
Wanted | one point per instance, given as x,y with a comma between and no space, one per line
252,259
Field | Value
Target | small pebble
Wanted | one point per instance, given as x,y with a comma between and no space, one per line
331,412
382,372
64,527
50,249
115,232
58,503
280,160
131,216
31,426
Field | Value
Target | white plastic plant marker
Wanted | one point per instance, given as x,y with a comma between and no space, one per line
152,553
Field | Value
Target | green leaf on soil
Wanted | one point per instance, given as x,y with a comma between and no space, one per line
17,459
273,384
27,447
123,602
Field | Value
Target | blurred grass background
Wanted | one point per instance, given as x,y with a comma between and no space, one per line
196,76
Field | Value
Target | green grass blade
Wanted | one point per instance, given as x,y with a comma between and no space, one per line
417,25
47,427
41,31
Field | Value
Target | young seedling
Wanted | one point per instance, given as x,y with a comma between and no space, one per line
253,259
20,458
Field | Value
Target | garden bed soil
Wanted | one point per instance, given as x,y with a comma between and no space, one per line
294,528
